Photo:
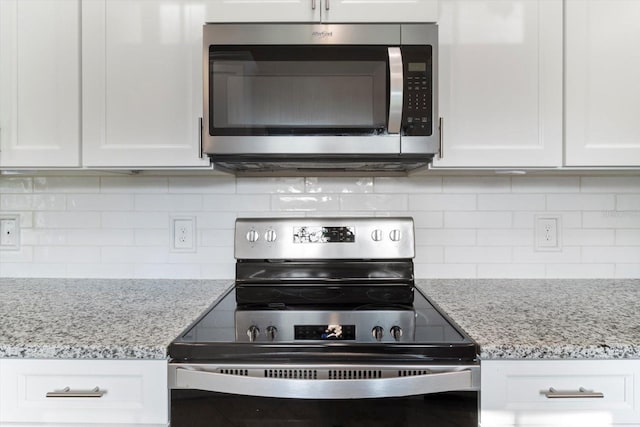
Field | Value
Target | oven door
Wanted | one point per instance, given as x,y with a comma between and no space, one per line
333,395
265,84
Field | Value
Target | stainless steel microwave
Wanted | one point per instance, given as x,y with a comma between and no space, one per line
314,97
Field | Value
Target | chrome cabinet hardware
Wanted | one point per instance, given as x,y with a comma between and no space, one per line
67,392
327,6
313,4
582,393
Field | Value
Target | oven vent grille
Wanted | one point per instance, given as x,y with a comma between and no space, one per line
242,372
354,374
413,372
296,374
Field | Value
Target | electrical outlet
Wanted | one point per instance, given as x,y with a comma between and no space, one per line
183,234
9,232
547,229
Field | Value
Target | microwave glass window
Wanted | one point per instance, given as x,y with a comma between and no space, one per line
279,90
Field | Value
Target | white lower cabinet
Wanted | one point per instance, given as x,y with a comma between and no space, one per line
90,392
567,393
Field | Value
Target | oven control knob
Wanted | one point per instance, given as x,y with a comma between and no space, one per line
270,236
253,236
253,332
376,235
377,332
395,235
396,332
271,331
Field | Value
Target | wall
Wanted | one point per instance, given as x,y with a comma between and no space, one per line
467,226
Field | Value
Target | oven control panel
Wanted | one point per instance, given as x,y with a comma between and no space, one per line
324,238
360,326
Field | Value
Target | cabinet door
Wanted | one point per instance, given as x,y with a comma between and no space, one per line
500,81
602,82
142,83
125,392
263,11
379,11
568,393
39,83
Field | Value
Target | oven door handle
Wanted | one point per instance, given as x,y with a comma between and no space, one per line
323,389
396,86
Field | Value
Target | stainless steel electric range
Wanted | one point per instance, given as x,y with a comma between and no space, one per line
323,309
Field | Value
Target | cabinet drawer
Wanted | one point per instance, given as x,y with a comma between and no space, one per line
547,393
128,392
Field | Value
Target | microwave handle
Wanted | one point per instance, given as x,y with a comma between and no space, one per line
396,86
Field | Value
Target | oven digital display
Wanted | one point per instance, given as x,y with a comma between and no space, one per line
324,234
325,332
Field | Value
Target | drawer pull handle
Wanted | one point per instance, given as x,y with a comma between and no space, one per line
582,393
67,392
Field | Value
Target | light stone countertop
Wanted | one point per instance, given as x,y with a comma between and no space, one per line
99,319
137,319
544,319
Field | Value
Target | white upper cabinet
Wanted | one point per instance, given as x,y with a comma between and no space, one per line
379,11
262,11
39,83
328,11
500,83
142,83
602,82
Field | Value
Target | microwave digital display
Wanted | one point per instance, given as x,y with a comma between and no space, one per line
417,67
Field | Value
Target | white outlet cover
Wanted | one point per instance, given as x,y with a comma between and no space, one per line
547,232
183,233
9,232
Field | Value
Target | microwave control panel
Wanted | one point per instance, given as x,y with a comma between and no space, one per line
417,117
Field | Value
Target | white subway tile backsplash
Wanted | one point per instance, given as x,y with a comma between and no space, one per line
478,254
475,184
66,254
477,219
168,202
420,184
628,202
628,271
612,254
611,219
545,184
338,185
202,185
568,219
580,202
15,184
66,219
306,202
373,202
466,226
587,237
527,254
235,203
134,184
135,220
580,271
511,271
610,184
442,202
99,202
100,237
505,237
270,185
511,202
60,184
445,237
625,237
